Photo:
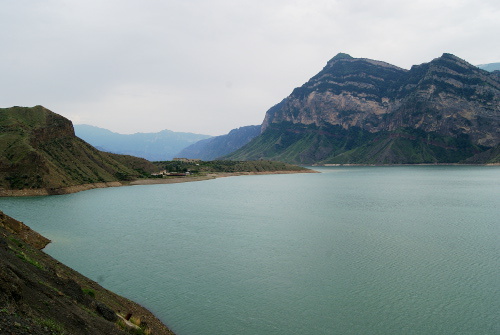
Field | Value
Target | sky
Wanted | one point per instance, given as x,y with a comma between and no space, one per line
209,66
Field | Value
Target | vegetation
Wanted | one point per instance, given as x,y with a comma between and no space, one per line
204,167
53,326
301,144
89,291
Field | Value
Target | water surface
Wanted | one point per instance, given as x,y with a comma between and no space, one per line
353,250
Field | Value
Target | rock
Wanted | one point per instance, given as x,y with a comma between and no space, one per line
106,312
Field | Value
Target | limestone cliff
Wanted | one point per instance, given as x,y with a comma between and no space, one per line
446,102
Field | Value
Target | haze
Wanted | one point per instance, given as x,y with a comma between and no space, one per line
210,66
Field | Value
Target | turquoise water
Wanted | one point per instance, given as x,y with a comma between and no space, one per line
357,250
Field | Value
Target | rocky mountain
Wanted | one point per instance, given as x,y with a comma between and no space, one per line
160,146
39,151
363,111
218,146
39,295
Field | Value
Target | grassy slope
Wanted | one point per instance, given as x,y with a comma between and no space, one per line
491,156
307,145
38,149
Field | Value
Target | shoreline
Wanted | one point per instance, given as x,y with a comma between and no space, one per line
146,181
422,164
186,179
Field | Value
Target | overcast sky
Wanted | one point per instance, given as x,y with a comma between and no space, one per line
208,66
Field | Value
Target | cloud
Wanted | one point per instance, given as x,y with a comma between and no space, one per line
210,66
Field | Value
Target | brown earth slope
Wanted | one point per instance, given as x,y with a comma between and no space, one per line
39,295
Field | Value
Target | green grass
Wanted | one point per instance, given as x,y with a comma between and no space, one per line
53,326
89,292
29,260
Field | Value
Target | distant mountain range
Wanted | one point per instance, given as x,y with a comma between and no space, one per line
39,150
363,111
490,67
160,146
215,147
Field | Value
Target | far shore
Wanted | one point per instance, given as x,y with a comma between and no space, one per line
420,164
146,181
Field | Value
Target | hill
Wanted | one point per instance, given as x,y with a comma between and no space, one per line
215,147
39,151
363,111
163,145
39,295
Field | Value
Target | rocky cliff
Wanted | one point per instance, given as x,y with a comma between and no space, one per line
359,110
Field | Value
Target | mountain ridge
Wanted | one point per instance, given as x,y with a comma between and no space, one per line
446,109
162,145
218,146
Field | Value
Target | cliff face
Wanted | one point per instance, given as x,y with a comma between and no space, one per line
347,92
443,101
39,150
451,97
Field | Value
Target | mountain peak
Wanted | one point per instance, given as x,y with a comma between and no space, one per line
450,56
339,56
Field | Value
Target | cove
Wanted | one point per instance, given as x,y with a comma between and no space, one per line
351,250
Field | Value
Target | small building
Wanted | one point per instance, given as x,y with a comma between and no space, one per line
161,173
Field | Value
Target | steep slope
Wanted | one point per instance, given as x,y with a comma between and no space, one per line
39,150
363,111
215,147
39,295
159,146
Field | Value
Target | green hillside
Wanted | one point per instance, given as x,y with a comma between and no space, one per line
301,144
38,149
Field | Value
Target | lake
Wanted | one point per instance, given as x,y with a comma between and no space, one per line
351,250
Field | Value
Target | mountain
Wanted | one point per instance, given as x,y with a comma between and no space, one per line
490,67
215,147
39,151
363,111
151,146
